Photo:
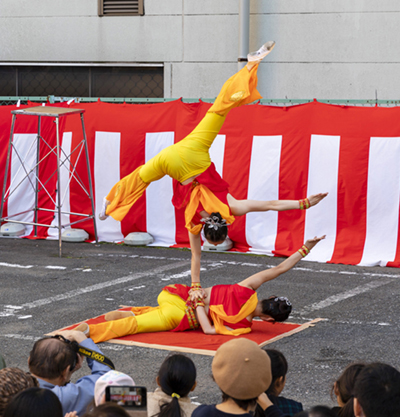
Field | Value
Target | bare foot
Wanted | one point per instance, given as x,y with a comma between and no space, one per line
117,315
254,58
102,214
84,328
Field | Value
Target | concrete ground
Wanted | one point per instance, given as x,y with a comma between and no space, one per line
41,292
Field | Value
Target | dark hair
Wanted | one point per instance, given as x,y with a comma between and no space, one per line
34,402
177,375
215,229
321,411
279,368
345,388
13,381
317,411
377,390
243,404
107,410
50,357
278,308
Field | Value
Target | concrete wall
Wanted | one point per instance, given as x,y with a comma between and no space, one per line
331,49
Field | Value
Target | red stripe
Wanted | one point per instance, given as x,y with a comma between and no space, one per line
351,212
236,166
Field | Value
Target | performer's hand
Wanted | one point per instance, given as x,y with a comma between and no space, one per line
197,294
316,198
312,242
263,401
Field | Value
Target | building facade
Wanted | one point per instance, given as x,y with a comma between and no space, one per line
331,49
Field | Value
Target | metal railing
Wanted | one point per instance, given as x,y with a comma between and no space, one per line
8,100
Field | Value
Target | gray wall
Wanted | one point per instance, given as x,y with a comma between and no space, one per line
326,49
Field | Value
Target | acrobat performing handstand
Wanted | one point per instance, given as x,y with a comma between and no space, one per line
227,309
197,186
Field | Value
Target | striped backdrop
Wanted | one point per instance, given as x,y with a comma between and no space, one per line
264,153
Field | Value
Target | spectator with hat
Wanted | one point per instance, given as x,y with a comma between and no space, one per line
110,378
13,381
242,371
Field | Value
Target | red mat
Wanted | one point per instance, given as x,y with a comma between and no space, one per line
195,341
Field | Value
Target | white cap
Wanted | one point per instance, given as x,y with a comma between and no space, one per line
110,378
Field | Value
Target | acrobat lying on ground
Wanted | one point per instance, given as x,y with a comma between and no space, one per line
226,309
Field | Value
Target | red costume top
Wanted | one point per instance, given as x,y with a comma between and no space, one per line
208,192
229,306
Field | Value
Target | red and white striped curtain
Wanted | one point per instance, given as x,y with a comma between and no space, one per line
264,153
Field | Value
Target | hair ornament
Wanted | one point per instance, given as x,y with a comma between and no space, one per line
175,395
214,222
283,299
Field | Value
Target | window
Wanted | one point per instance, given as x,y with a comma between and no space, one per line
121,7
82,81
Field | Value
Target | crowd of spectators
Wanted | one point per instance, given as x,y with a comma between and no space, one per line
251,380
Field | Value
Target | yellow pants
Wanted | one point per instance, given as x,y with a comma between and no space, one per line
167,316
190,156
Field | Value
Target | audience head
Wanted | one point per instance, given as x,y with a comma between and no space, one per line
317,411
109,378
177,374
34,402
279,308
176,378
242,370
279,368
13,381
107,410
343,388
54,357
377,391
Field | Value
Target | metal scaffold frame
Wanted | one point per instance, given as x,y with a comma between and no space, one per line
39,184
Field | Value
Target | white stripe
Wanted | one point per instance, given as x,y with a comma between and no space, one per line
24,196
160,213
344,295
64,189
106,174
322,177
15,265
100,286
382,202
217,151
261,228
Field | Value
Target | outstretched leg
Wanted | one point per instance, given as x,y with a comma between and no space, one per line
242,207
189,157
165,317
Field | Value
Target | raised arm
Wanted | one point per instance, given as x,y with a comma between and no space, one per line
195,246
256,280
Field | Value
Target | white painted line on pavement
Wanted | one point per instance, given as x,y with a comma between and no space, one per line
55,267
347,294
15,265
100,286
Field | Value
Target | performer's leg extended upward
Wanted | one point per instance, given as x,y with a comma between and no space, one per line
189,157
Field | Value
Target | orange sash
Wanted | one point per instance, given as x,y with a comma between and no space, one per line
218,315
202,194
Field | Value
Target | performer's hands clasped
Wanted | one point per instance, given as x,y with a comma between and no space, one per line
197,293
